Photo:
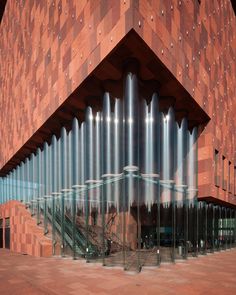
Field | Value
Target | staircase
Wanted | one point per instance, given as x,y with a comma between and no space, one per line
83,247
90,240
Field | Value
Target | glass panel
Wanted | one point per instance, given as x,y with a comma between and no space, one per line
192,228
94,221
210,232
130,208
57,223
113,220
234,218
80,230
181,213
69,226
192,203
224,227
228,228
231,228
65,197
27,181
4,192
216,228
112,182
35,181
8,186
220,233
81,196
149,204
167,198
46,179
120,188
54,169
202,227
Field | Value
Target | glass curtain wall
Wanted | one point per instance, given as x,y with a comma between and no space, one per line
121,187
149,202
202,227
191,238
210,226
181,209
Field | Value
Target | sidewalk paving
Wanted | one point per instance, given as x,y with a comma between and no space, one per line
21,274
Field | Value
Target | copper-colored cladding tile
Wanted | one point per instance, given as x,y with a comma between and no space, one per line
50,47
25,236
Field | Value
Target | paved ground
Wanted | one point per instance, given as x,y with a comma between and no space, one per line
211,274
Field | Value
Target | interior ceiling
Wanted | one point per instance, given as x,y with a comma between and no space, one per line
153,76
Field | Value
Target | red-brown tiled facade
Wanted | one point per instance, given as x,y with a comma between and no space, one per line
25,236
50,47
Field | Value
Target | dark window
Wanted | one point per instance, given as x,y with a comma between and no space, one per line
224,173
7,222
217,175
7,233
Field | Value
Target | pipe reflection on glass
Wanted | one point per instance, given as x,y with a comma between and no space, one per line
75,152
150,157
117,155
59,165
168,129
181,154
131,115
118,151
68,202
107,150
83,148
45,168
64,160
192,164
96,199
82,175
54,164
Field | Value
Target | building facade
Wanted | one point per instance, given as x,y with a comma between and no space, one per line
117,126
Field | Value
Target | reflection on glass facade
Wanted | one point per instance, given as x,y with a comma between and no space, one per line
121,187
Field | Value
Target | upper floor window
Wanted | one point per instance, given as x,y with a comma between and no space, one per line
217,175
224,172
229,178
